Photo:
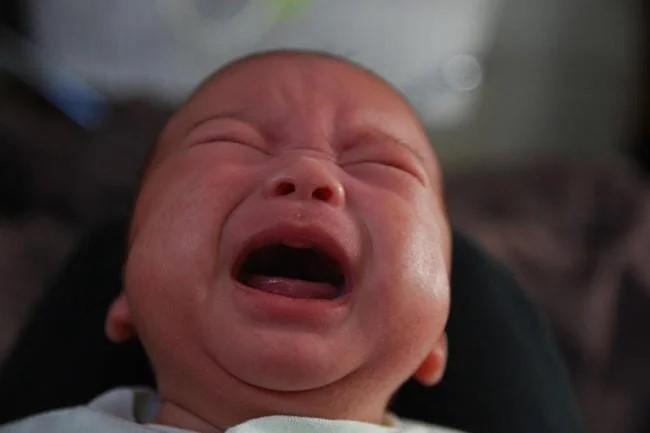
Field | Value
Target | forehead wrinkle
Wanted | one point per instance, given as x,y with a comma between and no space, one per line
300,87
241,103
303,110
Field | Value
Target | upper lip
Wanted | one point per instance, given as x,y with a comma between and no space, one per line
298,236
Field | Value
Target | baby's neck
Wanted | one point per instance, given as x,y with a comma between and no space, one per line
174,415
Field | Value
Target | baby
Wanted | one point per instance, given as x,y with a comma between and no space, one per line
289,257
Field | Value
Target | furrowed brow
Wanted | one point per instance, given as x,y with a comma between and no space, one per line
239,116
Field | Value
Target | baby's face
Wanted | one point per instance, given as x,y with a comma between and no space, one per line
289,242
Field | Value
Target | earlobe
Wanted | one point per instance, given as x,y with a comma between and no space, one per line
119,323
432,368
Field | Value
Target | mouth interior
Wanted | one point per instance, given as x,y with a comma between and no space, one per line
293,272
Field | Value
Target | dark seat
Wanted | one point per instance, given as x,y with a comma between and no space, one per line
504,372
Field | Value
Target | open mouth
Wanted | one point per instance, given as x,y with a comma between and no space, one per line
306,273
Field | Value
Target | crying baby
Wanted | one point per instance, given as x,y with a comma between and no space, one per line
288,262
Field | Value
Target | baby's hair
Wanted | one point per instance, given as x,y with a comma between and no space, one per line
295,52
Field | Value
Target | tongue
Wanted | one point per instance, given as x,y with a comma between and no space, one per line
292,288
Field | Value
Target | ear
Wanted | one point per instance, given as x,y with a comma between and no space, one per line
430,371
119,325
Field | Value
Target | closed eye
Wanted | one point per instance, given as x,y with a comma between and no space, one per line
226,130
399,167
374,150
230,140
389,164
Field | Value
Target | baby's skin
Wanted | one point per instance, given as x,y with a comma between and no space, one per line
289,249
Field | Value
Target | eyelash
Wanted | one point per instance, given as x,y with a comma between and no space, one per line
227,139
402,167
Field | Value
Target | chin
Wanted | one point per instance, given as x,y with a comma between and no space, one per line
286,362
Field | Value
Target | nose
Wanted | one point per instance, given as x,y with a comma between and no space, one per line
307,179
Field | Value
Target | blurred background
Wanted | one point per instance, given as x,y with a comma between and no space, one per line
539,109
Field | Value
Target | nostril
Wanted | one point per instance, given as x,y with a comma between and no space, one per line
284,188
322,193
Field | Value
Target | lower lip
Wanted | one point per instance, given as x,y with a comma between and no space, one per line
279,309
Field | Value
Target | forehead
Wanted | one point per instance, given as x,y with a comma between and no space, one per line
307,82
303,95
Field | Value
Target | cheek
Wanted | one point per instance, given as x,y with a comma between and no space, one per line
177,226
403,224
184,204
408,275
174,246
